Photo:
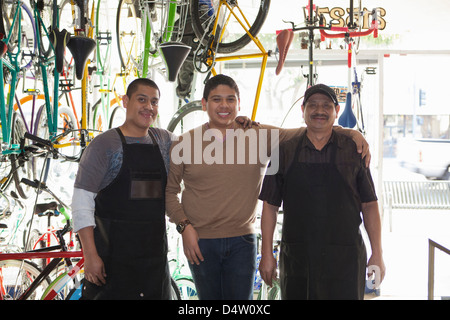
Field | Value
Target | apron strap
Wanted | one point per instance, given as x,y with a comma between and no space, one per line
122,137
152,136
150,133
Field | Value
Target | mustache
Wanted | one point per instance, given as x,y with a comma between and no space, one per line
319,115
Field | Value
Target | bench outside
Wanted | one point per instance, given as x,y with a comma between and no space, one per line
428,194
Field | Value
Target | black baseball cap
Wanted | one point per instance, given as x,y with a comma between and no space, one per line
320,88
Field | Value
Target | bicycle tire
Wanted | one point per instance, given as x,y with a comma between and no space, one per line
118,116
174,292
178,126
202,11
98,118
16,268
102,122
187,288
76,292
47,19
68,291
128,9
103,53
103,35
28,34
19,166
66,123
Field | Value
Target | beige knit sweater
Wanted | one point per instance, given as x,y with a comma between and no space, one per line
221,178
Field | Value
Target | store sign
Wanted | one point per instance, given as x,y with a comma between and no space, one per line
339,17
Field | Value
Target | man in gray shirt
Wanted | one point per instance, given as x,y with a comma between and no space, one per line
118,204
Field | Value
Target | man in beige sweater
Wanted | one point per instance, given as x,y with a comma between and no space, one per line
221,166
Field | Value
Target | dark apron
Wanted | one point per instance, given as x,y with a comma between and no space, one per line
322,253
130,235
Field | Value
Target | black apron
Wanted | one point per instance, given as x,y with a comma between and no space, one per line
130,235
322,253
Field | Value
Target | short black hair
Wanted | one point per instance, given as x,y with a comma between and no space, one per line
216,81
133,86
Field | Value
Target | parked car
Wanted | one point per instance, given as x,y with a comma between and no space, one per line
430,157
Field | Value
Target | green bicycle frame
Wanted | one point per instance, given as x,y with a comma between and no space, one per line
12,63
50,106
166,37
6,111
101,72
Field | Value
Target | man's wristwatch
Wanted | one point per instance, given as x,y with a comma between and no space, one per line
182,225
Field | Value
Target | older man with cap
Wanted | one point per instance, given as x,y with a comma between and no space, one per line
324,186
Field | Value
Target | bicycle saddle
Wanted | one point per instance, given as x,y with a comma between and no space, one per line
347,118
59,40
284,40
80,47
45,209
173,53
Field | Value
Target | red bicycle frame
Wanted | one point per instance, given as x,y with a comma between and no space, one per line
56,256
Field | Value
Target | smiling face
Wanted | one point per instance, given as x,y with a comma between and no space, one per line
222,106
142,110
320,112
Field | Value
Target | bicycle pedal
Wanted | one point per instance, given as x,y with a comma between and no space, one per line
31,91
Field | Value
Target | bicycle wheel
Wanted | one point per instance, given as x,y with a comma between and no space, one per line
187,289
128,31
103,36
99,122
66,290
100,119
60,171
174,292
204,12
118,116
187,117
20,167
46,20
17,275
28,44
9,10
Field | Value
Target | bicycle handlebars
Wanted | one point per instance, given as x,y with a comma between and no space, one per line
40,142
373,28
47,145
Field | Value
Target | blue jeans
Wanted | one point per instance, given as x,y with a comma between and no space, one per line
228,269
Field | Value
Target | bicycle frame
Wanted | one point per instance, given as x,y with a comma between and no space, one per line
166,11
110,99
51,106
349,33
12,64
63,253
152,48
57,285
263,54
